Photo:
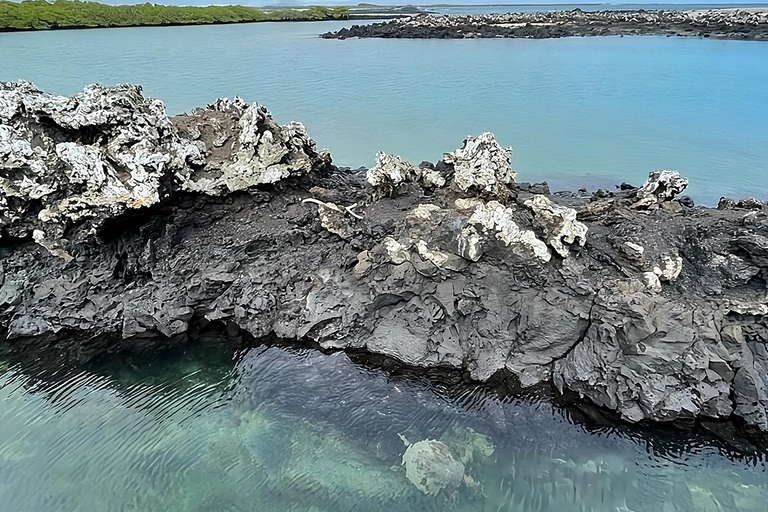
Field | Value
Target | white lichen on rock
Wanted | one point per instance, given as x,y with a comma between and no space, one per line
481,164
558,224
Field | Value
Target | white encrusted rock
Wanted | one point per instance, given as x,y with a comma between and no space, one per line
481,164
670,268
470,243
660,186
632,250
498,221
90,156
397,252
652,283
423,212
391,171
558,223
106,150
265,151
440,259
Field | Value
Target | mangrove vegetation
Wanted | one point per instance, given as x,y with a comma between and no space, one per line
41,14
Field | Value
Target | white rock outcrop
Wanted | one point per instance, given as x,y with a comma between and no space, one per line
391,171
481,164
660,186
497,221
85,157
558,223
106,150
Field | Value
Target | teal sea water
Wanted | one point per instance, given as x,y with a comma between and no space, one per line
578,111
276,429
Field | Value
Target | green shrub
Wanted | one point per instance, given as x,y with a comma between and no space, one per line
41,14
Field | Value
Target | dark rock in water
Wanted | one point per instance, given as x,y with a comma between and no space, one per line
122,229
601,194
626,186
687,201
724,24
539,188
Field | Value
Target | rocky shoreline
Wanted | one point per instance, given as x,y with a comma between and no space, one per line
124,229
719,24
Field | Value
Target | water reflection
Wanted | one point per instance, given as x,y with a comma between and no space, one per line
284,429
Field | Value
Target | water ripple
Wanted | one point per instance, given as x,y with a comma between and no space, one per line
277,429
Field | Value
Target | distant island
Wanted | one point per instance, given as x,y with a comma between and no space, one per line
65,14
745,24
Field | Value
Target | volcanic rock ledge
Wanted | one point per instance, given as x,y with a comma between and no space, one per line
720,24
123,229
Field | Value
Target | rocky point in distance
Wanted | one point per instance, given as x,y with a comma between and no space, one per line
751,24
124,229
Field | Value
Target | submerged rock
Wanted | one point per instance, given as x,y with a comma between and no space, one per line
122,229
431,467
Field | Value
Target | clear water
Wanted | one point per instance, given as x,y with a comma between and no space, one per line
288,429
578,111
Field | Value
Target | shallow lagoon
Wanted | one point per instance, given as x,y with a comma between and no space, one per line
578,111
278,428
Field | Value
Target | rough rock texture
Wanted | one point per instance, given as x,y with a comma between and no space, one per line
243,148
723,24
481,164
91,157
659,188
81,159
391,171
656,313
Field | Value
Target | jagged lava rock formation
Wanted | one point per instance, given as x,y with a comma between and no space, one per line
717,23
123,229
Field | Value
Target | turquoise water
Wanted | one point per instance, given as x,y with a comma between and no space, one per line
291,429
578,111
